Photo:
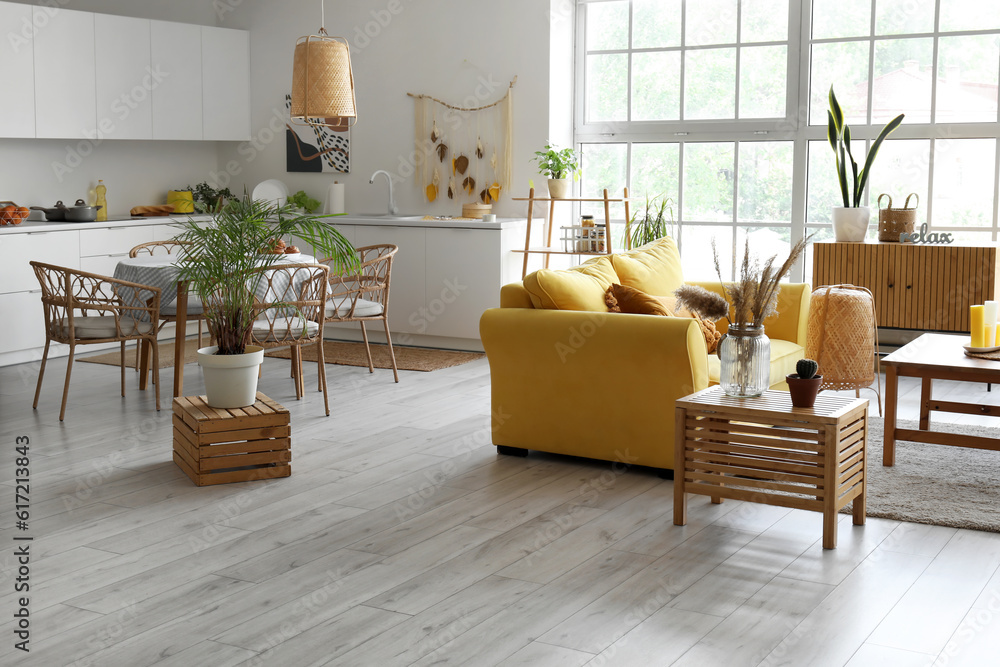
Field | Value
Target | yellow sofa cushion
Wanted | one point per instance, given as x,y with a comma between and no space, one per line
579,288
655,268
784,354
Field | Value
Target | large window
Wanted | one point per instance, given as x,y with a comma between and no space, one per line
720,106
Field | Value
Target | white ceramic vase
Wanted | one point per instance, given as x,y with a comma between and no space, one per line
851,224
560,188
230,379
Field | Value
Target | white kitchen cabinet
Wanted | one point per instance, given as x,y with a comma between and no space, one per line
17,250
125,78
102,249
17,71
65,74
175,50
464,272
24,321
407,291
225,58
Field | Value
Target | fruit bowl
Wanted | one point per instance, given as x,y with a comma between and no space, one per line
12,214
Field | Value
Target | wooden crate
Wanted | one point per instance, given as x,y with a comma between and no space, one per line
219,446
763,450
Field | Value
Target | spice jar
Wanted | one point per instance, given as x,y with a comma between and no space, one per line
585,242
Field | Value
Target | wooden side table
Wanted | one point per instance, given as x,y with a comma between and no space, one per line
763,450
220,446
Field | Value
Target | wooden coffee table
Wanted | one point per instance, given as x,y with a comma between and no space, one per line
935,357
763,450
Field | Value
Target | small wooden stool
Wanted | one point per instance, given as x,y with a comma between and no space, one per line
220,446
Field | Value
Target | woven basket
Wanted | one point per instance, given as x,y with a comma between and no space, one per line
842,337
322,80
476,210
895,221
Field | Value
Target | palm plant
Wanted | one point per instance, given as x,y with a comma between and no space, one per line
839,135
223,255
653,224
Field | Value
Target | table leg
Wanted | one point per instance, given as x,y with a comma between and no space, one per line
889,436
179,338
831,441
925,403
680,499
861,502
144,350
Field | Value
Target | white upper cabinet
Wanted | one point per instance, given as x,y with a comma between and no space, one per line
65,82
225,58
125,78
176,56
17,65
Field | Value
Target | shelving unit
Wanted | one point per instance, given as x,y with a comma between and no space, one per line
547,249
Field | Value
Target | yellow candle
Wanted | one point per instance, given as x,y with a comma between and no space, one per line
977,326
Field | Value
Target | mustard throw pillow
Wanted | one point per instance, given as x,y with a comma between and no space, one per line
622,299
655,268
579,288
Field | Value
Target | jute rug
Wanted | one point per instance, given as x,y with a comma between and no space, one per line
166,355
407,358
935,484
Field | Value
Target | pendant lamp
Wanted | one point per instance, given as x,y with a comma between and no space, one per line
323,81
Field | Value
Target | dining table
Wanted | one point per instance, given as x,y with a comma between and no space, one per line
163,271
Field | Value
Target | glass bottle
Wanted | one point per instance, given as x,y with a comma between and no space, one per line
102,201
745,361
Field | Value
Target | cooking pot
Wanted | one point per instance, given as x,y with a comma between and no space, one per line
80,212
56,213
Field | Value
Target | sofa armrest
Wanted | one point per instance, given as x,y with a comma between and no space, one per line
791,320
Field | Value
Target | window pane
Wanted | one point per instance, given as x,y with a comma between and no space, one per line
823,189
603,166
656,84
708,182
902,82
697,261
607,87
846,65
967,78
710,22
841,18
710,84
656,23
901,168
963,182
764,242
969,15
607,26
897,17
764,21
762,81
765,184
655,169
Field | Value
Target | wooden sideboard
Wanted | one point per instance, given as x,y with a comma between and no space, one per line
916,286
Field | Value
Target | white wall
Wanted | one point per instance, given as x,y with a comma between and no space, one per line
443,48
135,172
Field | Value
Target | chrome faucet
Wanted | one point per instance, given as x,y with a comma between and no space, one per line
392,200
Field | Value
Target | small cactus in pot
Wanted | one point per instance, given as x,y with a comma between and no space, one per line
805,383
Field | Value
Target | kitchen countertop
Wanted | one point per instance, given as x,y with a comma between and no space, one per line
29,226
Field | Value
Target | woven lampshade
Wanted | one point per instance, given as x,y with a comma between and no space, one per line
323,82
841,336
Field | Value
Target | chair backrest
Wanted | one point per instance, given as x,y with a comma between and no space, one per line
369,282
288,291
169,247
69,293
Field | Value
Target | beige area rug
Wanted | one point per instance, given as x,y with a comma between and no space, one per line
407,358
935,484
166,355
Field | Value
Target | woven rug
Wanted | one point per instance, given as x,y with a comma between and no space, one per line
166,355
935,484
407,358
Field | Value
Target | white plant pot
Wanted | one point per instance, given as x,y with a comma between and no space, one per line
851,224
230,379
560,188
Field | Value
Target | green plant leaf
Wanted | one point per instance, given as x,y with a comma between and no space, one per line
838,113
873,151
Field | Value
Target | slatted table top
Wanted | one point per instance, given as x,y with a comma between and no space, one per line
197,414
827,410
941,351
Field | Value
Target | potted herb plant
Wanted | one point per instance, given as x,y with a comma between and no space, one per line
218,266
559,166
652,224
208,199
804,383
850,222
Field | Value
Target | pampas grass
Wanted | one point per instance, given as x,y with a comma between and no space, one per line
701,301
754,294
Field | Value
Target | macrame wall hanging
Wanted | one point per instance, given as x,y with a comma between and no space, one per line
471,147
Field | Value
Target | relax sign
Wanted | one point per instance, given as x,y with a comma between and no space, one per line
923,237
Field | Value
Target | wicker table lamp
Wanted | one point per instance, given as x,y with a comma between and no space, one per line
843,339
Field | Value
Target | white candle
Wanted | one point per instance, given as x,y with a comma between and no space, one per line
990,320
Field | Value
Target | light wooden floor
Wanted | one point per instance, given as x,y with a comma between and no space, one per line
402,538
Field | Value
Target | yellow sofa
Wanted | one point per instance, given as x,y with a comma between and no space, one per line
568,377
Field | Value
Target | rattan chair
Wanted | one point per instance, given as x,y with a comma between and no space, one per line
85,308
289,313
364,296
195,310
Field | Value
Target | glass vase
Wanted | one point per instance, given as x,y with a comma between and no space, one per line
745,356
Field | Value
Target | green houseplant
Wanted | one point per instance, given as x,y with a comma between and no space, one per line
222,257
850,222
558,165
208,199
655,222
